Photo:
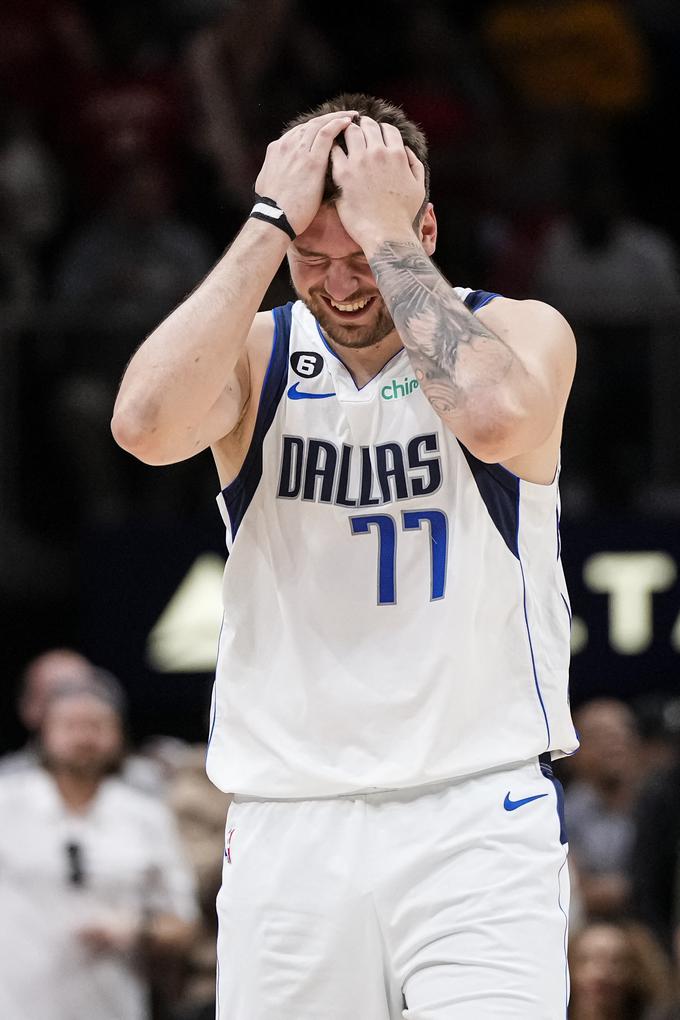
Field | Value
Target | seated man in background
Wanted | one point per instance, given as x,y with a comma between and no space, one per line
56,667
619,972
599,805
93,884
656,857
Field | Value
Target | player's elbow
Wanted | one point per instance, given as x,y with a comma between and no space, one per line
500,432
136,436
491,443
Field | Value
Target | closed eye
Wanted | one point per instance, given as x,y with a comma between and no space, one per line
312,260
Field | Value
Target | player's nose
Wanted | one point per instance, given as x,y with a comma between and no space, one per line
341,282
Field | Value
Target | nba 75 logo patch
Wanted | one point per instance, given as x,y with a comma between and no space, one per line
307,364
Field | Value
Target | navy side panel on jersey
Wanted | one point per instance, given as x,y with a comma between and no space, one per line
238,494
476,299
499,489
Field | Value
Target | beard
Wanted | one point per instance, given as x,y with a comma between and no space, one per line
347,334
82,766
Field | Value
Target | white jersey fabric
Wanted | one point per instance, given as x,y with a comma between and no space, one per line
395,610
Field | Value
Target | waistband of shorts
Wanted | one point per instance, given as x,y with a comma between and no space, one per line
542,760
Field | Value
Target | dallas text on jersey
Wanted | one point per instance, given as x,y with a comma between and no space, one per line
317,470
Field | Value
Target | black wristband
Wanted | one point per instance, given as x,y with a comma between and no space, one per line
268,211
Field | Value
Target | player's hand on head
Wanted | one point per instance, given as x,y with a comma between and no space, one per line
294,169
382,181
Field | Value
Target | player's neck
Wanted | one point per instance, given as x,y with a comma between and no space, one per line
364,363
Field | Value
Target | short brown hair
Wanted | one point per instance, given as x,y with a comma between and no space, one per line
379,110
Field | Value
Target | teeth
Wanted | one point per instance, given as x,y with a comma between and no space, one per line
354,307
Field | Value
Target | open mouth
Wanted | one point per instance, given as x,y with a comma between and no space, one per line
349,309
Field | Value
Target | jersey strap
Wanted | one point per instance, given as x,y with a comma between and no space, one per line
238,494
476,299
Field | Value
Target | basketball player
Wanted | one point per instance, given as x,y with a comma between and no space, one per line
392,671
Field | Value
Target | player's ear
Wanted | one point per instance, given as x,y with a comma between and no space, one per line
426,229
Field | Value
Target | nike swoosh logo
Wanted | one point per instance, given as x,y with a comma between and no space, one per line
295,394
512,805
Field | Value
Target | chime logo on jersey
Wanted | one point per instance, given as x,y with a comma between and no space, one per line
318,471
399,388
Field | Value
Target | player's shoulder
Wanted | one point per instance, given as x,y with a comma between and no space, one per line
268,326
274,334
526,309
260,335
531,323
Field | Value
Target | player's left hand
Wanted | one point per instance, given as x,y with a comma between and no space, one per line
382,182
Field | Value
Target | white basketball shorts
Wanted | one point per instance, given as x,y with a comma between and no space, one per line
438,903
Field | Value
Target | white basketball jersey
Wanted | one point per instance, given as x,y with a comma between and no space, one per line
395,610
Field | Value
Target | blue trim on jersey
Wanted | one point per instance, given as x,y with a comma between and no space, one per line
476,299
214,705
526,620
239,493
559,537
326,343
499,490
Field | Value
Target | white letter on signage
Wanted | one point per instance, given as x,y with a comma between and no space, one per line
630,580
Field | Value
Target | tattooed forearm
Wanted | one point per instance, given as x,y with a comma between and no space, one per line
439,332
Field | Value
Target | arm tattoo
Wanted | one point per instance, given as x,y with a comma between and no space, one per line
437,329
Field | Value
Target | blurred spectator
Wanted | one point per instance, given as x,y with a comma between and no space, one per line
437,73
93,886
57,671
47,49
599,264
58,667
656,855
560,94
618,972
129,107
658,724
244,94
599,804
121,274
124,270
200,809
29,182
616,281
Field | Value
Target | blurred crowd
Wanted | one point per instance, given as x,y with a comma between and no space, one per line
111,859
130,138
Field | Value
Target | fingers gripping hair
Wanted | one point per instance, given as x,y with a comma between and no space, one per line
379,110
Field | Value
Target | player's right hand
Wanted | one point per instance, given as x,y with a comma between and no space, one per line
295,167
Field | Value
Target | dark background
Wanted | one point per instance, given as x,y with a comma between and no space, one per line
130,137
